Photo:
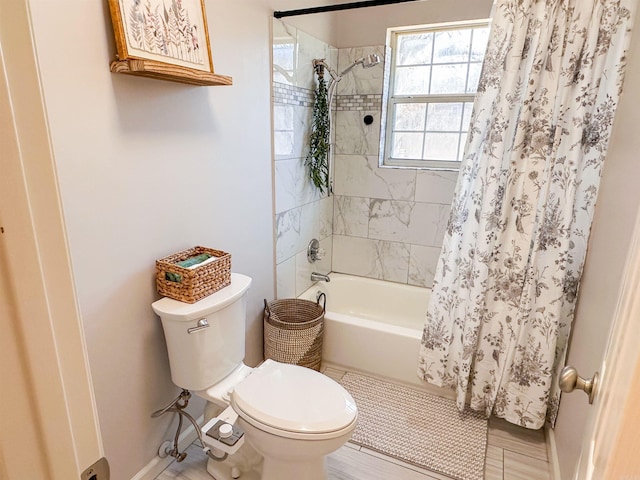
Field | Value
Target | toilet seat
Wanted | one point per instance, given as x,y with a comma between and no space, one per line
294,402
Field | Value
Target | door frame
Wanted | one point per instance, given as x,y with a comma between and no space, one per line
53,431
604,448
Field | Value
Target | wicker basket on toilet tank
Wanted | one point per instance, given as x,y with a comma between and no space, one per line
192,284
293,331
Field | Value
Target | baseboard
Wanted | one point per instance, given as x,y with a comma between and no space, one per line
552,453
157,465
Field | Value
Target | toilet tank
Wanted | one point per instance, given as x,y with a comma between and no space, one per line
205,340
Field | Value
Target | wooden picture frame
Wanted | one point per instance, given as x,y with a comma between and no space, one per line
166,39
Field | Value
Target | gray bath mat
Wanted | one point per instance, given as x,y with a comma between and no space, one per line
418,428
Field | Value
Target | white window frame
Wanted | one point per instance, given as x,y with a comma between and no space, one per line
389,100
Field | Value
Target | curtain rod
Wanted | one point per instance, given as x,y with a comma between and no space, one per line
333,8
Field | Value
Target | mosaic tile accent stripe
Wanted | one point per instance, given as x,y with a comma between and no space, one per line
292,95
359,102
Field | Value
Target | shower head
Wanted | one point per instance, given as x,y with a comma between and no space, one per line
370,60
367,61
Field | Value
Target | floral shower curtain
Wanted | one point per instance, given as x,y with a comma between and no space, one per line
506,283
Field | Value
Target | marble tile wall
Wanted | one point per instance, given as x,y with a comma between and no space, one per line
388,223
301,213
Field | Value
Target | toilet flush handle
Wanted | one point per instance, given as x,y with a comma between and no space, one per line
202,324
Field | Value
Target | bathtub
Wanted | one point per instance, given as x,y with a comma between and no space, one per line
374,327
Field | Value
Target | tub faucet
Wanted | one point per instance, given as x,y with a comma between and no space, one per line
315,277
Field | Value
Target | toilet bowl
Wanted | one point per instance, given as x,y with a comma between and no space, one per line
292,416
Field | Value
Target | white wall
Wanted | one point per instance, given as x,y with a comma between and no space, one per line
147,168
616,210
368,26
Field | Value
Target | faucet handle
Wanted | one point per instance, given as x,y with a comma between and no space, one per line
314,252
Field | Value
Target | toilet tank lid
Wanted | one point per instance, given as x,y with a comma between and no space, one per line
170,309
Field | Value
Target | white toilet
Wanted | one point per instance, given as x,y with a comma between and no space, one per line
291,415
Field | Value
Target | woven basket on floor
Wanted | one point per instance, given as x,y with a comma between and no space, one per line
293,330
195,283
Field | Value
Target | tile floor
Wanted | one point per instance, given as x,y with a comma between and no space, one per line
513,453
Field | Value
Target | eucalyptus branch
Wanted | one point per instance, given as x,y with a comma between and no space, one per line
318,157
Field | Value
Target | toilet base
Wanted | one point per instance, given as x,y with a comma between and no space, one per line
223,471
293,459
273,469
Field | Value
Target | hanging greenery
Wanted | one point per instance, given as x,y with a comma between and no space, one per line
318,156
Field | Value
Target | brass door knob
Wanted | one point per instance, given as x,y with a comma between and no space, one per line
570,380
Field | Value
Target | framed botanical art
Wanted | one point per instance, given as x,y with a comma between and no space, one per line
165,35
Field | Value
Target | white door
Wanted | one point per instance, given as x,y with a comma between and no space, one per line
611,442
48,421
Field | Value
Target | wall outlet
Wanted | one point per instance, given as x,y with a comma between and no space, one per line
97,471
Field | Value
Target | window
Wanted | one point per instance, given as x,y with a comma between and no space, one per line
432,83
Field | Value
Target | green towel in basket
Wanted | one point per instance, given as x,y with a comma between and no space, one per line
189,262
